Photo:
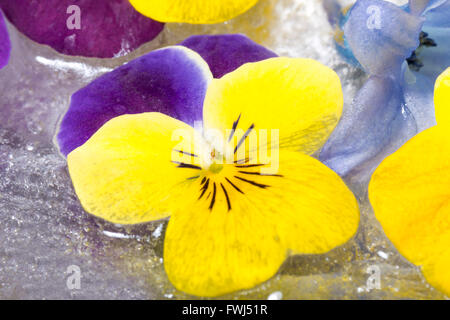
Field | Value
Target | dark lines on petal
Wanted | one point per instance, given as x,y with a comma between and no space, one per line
233,130
186,153
203,189
192,178
226,196
246,160
259,185
203,181
187,165
261,174
213,200
250,165
244,137
234,186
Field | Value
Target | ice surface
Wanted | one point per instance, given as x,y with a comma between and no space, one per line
44,230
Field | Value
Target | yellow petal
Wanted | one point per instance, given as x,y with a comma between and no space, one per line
128,172
436,271
442,98
299,97
239,232
410,194
192,11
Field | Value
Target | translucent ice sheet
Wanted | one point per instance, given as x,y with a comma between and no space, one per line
44,230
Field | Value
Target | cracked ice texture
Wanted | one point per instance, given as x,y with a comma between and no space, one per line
44,230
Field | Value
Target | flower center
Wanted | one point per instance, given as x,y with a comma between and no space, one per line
219,178
414,62
215,168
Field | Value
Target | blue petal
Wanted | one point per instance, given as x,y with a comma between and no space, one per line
418,91
417,7
382,35
337,16
376,122
437,26
438,16
434,4
396,102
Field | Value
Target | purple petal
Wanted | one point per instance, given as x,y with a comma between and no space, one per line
172,80
226,53
377,122
382,35
5,44
107,27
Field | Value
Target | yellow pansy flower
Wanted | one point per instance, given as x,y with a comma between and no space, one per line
410,194
192,11
233,221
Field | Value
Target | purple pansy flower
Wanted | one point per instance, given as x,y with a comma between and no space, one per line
169,80
5,44
91,28
403,49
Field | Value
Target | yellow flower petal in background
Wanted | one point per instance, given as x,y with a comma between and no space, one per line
437,271
192,11
300,97
410,194
125,173
442,98
239,232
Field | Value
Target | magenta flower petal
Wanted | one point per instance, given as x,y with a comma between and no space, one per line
107,27
226,53
172,81
5,44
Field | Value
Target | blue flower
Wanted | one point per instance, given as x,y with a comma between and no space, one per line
403,49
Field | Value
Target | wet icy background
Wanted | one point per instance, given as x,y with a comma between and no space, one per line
44,230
